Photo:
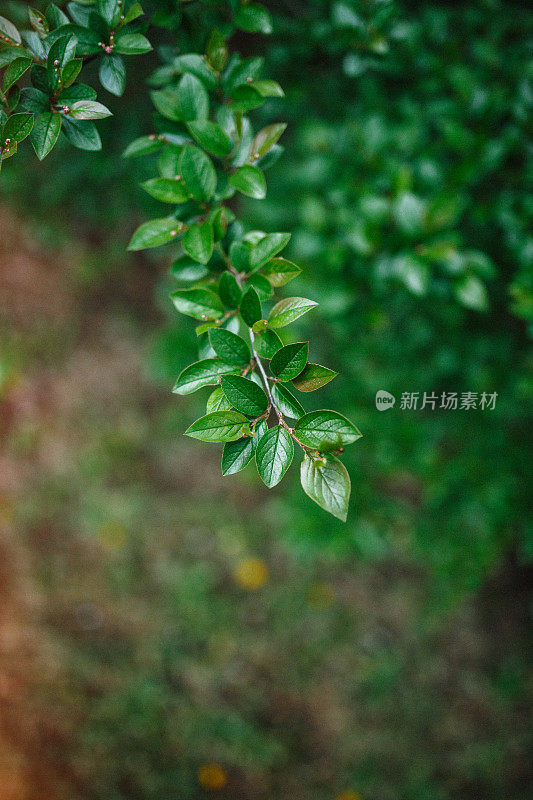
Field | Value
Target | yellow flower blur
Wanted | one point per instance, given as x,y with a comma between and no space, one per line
251,573
212,776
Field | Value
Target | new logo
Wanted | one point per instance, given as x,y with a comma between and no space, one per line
384,400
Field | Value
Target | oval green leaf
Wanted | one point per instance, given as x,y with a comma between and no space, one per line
325,430
289,361
244,395
313,377
327,482
198,172
220,426
249,181
198,303
289,309
274,455
202,373
230,347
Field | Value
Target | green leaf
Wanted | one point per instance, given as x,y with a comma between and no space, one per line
196,65
168,161
34,45
241,71
271,157
259,326
61,52
16,70
229,290
471,293
142,146
168,190
192,63
109,10
244,395
250,307
230,347
112,74
70,71
289,309
13,98
198,303
250,181
261,286
154,233
279,271
267,343
55,16
198,173
289,361
239,255
268,88
254,18
35,101
79,91
87,39
8,151
39,79
313,377
44,133
274,455
82,134
131,43
9,54
219,426
8,29
17,127
267,138
189,101
185,269
38,22
238,454
134,12
286,402
198,242
326,481
325,430
217,52
193,98
269,246
246,98
217,401
220,218
204,328
211,137
88,109
202,373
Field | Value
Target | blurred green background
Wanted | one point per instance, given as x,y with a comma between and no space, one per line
167,633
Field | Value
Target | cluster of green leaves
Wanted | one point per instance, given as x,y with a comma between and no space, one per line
52,54
208,152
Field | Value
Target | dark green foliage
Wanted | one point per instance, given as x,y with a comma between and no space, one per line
203,133
210,171
54,52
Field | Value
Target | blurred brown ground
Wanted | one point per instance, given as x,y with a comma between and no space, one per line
32,294
50,401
